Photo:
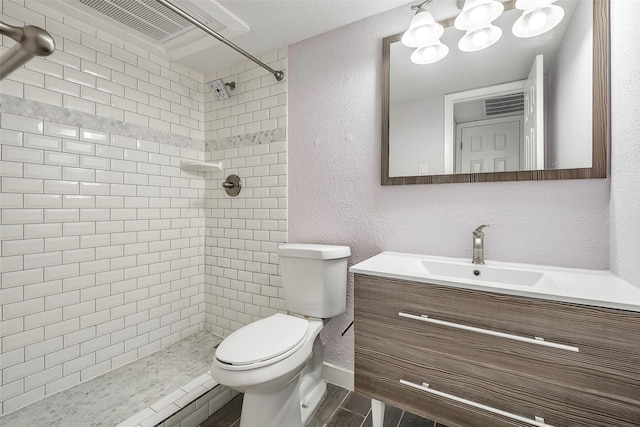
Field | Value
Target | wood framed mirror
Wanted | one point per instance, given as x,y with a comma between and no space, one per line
427,135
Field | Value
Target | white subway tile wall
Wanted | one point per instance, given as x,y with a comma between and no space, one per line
101,233
242,271
257,104
247,132
101,264
96,73
104,257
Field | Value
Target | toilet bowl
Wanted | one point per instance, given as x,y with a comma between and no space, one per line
268,361
277,361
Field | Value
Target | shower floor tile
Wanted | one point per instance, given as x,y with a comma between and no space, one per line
117,395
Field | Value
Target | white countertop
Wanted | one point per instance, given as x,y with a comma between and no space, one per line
592,287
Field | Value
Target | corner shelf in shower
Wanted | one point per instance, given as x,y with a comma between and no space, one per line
200,166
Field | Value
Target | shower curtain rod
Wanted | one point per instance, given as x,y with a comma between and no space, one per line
279,75
30,41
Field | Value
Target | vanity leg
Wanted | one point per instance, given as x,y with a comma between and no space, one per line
377,412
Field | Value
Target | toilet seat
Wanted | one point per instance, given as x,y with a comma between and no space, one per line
263,342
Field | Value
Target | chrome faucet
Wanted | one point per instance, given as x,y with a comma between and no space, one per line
478,245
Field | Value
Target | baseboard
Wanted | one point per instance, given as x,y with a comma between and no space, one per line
338,375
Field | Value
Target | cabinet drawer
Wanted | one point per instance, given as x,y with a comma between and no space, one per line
444,345
445,412
609,332
378,380
561,393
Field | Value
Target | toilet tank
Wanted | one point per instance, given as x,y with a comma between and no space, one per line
314,278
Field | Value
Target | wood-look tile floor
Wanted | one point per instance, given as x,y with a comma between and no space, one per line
340,408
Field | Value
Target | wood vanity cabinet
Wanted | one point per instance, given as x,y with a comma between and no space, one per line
467,344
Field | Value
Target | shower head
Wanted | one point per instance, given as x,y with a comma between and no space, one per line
31,41
219,89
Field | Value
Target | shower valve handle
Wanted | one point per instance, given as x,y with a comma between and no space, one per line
232,185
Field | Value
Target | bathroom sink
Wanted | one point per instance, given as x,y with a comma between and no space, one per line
593,287
495,275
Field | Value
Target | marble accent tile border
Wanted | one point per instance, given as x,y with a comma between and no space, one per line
263,137
53,113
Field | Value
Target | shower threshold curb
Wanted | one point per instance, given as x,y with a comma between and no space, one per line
186,407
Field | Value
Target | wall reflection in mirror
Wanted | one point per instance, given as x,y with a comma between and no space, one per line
521,104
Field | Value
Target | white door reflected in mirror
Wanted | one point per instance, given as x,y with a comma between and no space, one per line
490,146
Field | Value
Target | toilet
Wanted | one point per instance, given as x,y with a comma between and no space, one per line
277,361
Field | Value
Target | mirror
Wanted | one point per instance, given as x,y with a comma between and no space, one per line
468,117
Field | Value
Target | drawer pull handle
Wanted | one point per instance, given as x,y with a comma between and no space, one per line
536,340
425,387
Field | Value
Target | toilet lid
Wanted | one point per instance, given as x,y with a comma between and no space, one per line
262,340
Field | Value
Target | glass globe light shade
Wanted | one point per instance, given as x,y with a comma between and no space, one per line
478,39
429,54
537,21
477,14
423,30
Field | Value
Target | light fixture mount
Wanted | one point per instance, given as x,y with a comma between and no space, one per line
421,5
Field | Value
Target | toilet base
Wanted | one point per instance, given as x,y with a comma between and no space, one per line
282,408
311,402
276,409
291,405
312,387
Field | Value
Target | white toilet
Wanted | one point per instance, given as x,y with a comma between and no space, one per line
277,361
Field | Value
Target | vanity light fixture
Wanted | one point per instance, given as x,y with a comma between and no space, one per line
424,34
538,17
476,17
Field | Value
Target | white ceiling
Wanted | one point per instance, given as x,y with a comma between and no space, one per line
278,23
256,26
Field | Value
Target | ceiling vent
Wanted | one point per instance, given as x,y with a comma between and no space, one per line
144,16
504,105
154,27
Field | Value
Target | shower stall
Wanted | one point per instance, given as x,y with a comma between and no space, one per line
110,251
